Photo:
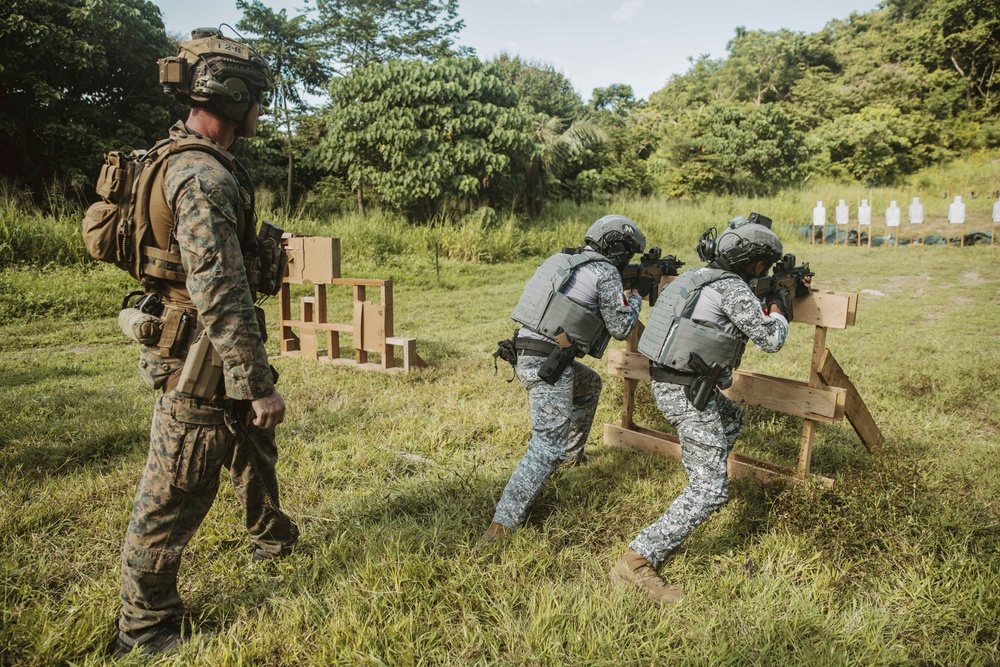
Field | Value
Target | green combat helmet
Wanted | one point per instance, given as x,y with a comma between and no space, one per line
218,73
742,243
616,237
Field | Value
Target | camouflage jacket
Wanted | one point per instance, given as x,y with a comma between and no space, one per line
732,305
207,201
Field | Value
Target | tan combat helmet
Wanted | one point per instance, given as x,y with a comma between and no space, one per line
217,73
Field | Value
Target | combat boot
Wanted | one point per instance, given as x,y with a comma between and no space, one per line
497,532
633,569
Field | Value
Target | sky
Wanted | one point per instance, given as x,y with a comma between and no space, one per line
594,43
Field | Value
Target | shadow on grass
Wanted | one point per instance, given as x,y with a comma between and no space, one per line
41,373
35,461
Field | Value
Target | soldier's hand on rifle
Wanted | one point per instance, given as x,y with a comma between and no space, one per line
802,289
269,411
780,302
643,285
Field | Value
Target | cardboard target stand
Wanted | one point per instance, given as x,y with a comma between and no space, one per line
827,397
316,260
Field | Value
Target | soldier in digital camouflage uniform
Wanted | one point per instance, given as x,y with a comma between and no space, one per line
197,268
718,298
562,407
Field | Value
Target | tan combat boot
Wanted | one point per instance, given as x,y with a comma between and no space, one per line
635,570
497,532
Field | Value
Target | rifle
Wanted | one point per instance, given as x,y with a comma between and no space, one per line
785,275
654,266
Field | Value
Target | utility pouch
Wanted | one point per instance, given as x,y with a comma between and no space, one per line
140,327
202,369
552,368
140,321
273,259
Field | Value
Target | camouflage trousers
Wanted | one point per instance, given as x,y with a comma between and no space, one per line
190,442
706,439
561,417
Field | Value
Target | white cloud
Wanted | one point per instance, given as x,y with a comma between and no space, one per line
628,10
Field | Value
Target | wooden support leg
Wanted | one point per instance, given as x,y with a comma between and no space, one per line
360,355
289,341
809,426
628,393
387,359
309,339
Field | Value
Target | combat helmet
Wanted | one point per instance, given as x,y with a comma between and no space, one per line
742,243
616,237
217,73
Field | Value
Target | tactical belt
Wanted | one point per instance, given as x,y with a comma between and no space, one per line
664,374
532,347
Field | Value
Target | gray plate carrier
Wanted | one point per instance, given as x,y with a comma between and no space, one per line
671,336
544,309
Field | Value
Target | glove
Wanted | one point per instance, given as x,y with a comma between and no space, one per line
783,299
643,285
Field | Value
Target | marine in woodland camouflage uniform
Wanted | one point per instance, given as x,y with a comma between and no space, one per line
707,437
562,413
192,439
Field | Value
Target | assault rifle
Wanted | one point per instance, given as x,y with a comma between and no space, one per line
785,275
654,266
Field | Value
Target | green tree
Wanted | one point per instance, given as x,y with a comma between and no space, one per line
78,78
764,64
541,86
878,145
293,49
418,136
737,149
358,33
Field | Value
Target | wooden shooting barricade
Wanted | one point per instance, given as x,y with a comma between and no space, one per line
827,397
316,260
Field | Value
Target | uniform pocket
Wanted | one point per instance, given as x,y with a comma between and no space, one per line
194,440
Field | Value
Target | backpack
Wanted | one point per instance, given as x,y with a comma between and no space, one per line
116,229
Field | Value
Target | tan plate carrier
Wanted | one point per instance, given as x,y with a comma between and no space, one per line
316,260
827,397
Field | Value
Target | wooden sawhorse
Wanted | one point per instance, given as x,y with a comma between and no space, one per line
827,397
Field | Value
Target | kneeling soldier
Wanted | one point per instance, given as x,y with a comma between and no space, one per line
695,338
570,308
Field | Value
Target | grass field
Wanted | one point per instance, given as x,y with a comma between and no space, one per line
393,478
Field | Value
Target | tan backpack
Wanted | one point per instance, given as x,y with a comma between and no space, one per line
116,228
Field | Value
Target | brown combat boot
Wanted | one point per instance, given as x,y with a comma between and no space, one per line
635,570
497,532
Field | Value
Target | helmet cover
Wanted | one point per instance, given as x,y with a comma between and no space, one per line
616,237
743,243
212,70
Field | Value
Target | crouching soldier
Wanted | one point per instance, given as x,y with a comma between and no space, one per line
570,308
694,339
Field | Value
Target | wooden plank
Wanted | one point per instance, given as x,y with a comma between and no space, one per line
384,347
360,355
858,414
628,391
809,425
826,309
288,340
740,467
359,282
372,328
308,341
631,365
824,404
328,326
410,357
